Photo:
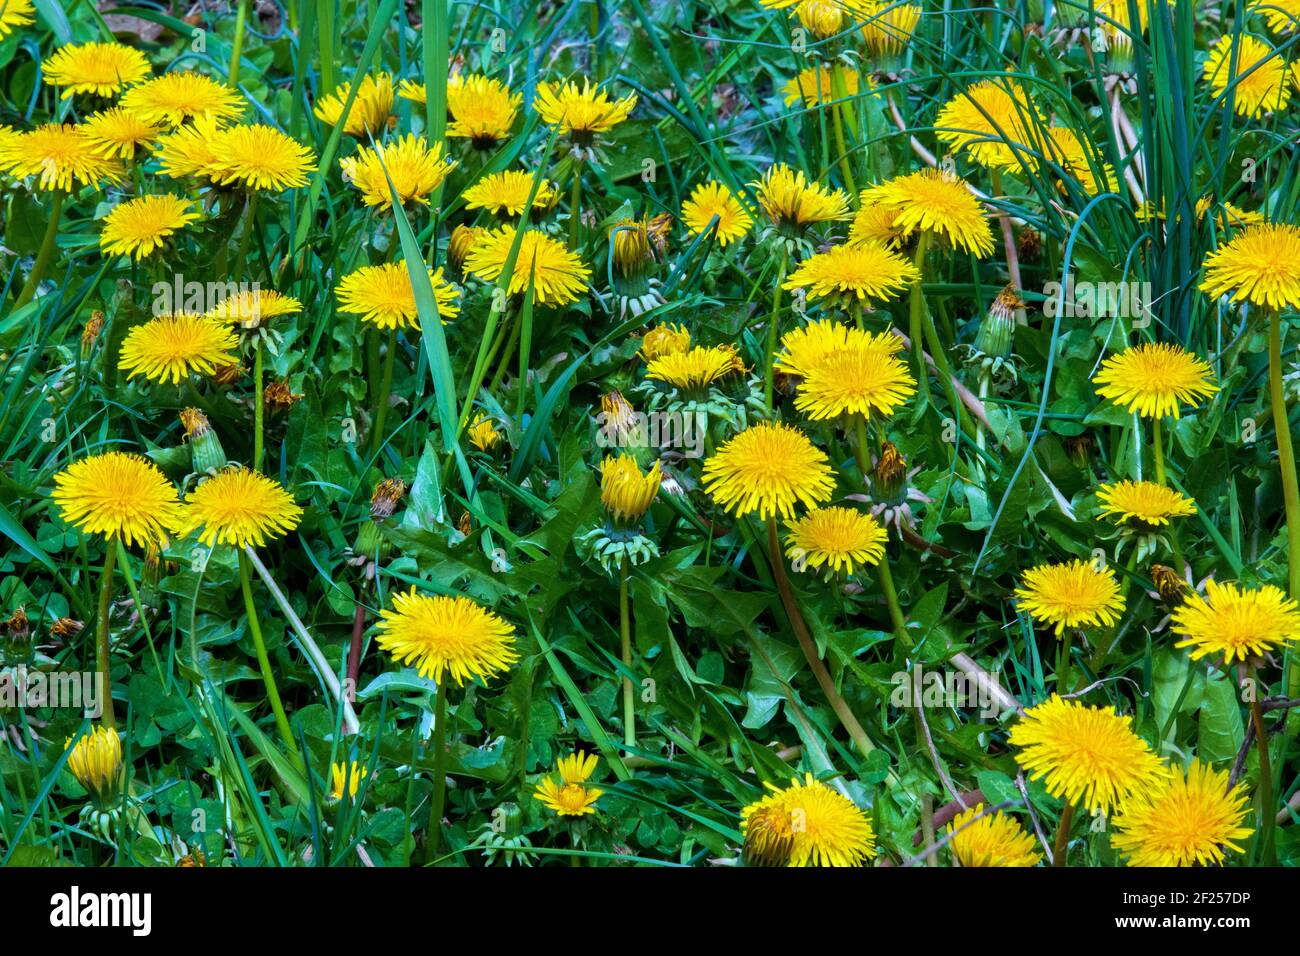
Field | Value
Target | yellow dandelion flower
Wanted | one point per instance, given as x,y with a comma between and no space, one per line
382,295
119,133
990,121
569,797
249,308
139,226
1261,265
415,92
806,824
806,347
694,369
60,155
171,347
240,507
1232,623
1259,82
558,275
993,840
838,538
1154,379
813,86
1070,151
462,240
99,68
346,778
935,202
96,761
1113,20
626,492
446,635
793,203
372,108
482,110
849,274
414,168
257,156
506,193
581,111
15,13
1074,595
768,468
117,495
875,224
1143,503
864,378
1189,819
1088,756
190,150
888,26
174,99
713,199
1229,216
1280,15
664,340
483,434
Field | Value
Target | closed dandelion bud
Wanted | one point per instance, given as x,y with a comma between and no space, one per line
227,375
90,334
890,475
462,238
996,331
769,839
206,454
483,434
618,422
346,778
466,523
625,491
1171,588
664,340
96,762
153,571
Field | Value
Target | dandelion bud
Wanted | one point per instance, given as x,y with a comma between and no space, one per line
1171,588
346,777
483,434
769,840
227,375
890,473
996,331
462,238
206,454
90,334
625,491
96,762
664,340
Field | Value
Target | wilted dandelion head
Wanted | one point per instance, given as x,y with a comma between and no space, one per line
853,274
695,369
450,636
1259,82
1155,379
482,110
15,13
935,202
506,193
139,226
806,824
988,119
1088,756
96,761
1260,265
1074,594
768,468
170,347
996,839
257,156
103,69
570,797
1187,819
372,107
60,156
625,490
1232,623
382,295
346,777
713,199
865,378
414,168
793,203
119,133
664,340
174,99
1143,504
558,275
581,111
839,539
239,507
119,496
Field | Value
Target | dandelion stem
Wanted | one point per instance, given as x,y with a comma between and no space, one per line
102,663
575,206
625,634
264,663
1061,849
259,409
772,329
1158,450
1066,645
1267,809
916,317
385,389
237,44
896,618
46,252
838,704
439,769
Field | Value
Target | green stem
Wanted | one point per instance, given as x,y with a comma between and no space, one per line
264,662
916,318
102,663
575,207
237,45
1062,846
439,770
46,252
769,375
1267,809
625,634
259,410
1158,451
896,619
385,389
1290,491
1063,662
